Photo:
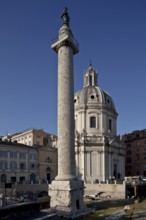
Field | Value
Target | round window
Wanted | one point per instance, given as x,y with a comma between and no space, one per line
92,97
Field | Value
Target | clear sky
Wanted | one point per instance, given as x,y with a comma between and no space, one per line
111,33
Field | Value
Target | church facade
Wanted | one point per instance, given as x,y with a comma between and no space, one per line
99,152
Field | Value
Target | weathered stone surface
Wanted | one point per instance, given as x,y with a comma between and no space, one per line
67,197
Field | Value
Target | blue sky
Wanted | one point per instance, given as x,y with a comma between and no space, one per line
111,33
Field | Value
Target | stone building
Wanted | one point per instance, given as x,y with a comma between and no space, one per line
33,137
99,151
18,163
135,155
25,164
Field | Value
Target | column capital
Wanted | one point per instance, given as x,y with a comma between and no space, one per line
65,38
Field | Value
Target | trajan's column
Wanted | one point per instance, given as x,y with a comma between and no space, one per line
66,191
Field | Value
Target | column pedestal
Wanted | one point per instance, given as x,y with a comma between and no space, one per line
67,197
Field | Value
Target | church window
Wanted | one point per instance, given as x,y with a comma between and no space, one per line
110,125
92,122
92,97
90,80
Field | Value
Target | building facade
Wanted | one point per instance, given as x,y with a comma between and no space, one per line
47,163
33,137
21,163
135,156
18,163
99,151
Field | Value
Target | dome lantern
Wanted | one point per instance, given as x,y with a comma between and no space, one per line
90,77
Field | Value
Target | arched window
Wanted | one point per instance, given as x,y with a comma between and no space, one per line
92,122
48,160
90,80
110,125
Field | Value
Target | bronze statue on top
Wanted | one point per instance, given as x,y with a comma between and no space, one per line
65,16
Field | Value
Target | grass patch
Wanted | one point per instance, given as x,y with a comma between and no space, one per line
102,209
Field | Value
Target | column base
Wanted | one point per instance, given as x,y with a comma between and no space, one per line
67,198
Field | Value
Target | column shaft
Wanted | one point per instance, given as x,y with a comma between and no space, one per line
66,151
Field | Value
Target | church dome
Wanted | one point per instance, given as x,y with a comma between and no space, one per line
92,94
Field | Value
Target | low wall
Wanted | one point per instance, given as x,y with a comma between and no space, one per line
34,188
114,190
